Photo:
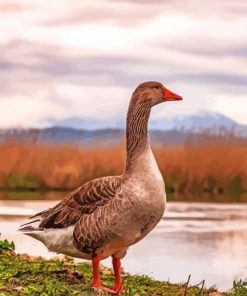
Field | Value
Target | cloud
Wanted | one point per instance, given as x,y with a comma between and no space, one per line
231,106
8,7
120,14
123,69
93,54
17,111
104,101
211,47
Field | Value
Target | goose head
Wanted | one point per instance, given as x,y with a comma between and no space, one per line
153,93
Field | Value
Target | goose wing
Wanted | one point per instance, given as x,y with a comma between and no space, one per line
83,201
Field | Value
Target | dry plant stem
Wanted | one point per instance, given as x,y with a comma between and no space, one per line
203,282
186,286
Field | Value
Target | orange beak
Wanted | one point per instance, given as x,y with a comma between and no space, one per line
170,96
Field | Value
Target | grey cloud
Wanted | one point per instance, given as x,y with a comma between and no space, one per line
139,11
70,65
213,78
53,65
111,14
52,60
4,66
242,11
220,80
207,47
219,8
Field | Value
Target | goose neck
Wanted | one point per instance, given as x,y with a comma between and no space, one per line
137,133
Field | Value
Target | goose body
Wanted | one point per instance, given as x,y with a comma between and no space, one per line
105,216
132,207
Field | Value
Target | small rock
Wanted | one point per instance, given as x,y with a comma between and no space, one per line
24,256
13,281
106,272
18,289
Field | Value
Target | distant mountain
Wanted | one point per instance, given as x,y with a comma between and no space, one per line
63,136
215,122
174,131
70,136
87,123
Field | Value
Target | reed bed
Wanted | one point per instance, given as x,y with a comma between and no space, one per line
194,171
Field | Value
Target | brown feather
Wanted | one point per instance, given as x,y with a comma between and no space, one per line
83,201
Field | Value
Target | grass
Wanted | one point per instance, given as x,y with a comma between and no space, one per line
25,275
196,172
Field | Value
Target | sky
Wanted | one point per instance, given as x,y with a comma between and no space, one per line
62,59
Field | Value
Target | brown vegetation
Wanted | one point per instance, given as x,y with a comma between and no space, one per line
195,172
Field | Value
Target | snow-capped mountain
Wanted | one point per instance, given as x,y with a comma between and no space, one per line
215,122
83,132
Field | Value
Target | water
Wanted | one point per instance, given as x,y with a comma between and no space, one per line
208,241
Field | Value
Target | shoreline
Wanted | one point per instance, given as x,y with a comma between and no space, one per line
32,275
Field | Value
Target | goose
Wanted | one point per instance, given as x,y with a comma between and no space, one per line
105,216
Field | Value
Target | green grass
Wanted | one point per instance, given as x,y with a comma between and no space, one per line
24,275
179,188
239,289
27,181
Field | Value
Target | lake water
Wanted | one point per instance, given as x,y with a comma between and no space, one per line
208,241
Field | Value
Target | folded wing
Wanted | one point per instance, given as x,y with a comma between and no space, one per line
83,201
